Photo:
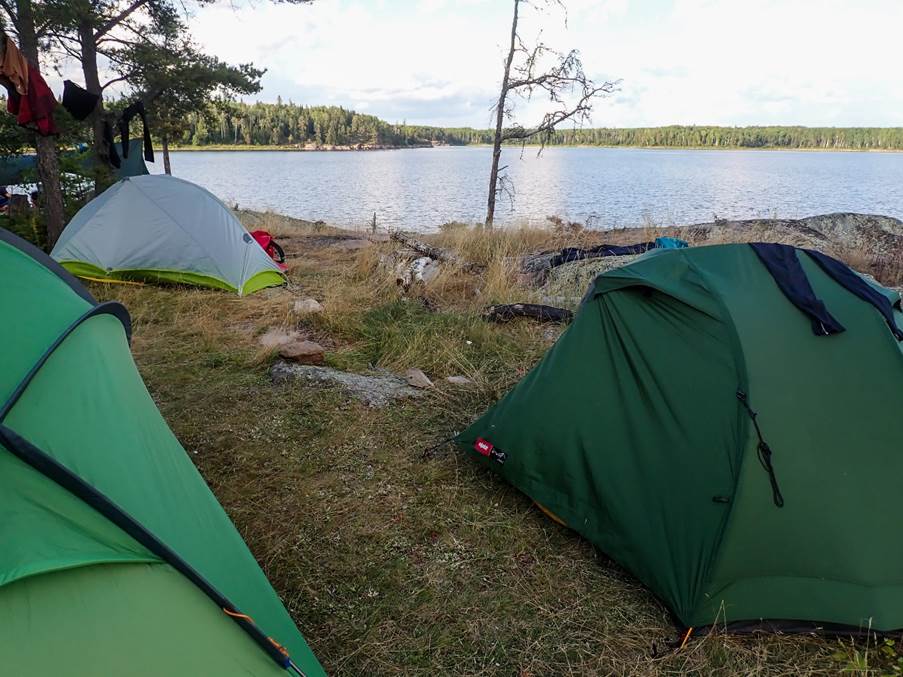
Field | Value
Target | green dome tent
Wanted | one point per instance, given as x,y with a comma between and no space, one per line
158,227
688,400
116,558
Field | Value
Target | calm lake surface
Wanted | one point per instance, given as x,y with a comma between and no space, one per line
421,189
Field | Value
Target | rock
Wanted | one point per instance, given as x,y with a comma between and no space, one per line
274,338
417,378
875,239
868,234
566,284
424,270
375,390
459,380
352,245
302,352
305,306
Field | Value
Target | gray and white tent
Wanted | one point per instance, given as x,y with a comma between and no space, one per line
158,227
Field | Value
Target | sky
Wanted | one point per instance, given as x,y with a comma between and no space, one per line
718,62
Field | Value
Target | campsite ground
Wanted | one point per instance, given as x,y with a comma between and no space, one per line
392,561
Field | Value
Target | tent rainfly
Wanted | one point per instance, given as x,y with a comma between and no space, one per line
724,422
161,228
116,558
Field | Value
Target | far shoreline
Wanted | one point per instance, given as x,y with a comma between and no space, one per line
242,148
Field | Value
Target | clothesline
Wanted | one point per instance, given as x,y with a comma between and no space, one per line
32,102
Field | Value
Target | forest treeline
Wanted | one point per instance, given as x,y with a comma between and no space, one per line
287,124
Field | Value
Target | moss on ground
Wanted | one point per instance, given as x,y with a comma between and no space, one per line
390,561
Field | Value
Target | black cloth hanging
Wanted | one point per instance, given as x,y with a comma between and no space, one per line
111,145
130,112
576,254
844,276
781,261
78,101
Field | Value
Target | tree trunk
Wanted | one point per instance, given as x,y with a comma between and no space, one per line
499,122
103,170
45,146
164,142
51,190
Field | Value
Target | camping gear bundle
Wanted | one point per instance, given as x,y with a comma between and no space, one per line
161,228
116,558
703,426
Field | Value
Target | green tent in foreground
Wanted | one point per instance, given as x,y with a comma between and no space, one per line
116,558
634,431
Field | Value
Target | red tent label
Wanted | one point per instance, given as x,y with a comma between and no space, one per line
483,447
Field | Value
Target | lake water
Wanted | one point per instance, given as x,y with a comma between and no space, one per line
605,187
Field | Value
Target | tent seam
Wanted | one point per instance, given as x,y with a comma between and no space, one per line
48,466
113,308
743,378
180,227
82,565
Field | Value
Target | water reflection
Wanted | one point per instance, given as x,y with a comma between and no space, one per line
420,189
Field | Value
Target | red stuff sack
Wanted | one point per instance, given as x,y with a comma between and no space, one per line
270,246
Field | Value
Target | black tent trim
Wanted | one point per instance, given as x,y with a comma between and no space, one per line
65,478
113,308
27,247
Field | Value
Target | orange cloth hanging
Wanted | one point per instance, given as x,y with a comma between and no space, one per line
14,66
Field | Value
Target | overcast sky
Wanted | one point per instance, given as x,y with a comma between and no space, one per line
727,62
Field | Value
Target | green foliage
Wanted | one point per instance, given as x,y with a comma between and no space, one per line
263,124
879,656
183,82
278,124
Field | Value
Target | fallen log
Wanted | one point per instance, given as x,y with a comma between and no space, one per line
435,253
536,311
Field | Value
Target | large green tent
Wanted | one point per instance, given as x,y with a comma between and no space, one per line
692,425
116,558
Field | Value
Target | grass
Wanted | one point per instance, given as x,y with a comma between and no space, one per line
393,563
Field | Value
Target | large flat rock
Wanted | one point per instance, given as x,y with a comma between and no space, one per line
375,390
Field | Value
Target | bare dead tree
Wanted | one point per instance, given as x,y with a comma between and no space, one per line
531,71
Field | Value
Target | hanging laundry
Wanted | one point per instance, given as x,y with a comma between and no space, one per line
34,110
111,145
14,66
78,101
128,114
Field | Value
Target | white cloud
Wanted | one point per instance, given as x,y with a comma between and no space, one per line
682,61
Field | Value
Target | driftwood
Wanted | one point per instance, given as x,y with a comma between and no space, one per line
435,253
506,312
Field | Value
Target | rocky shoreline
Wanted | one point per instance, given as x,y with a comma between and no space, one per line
306,147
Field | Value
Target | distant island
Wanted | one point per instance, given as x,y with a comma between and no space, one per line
287,126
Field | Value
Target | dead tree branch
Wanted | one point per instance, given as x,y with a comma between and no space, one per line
535,70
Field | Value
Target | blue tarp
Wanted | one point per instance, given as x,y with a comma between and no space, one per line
670,243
